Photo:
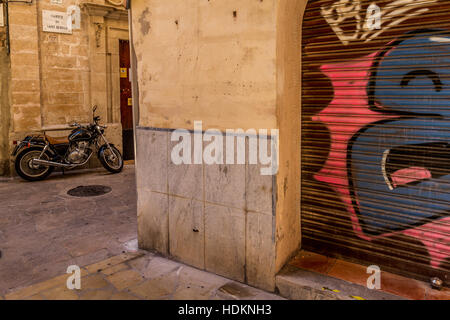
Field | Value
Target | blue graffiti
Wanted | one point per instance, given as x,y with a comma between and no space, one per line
400,169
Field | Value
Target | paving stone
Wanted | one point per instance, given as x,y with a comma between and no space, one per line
123,296
193,277
88,244
95,281
115,269
155,289
35,297
98,267
125,279
97,295
142,262
158,267
43,230
92,257
168,280
191,293
35,289
60,293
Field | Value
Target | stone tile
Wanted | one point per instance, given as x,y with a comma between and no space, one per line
185,180
225,183
152,152
92,282
235,291
259,193
192,292
60,293
299,284
35,297
189,277
105,264
186,221
260,250
404,287
125,279
35,289
225,241
153,221
115,269
432,294
97,295
156,289
92,257
141,263
157,267
122,296
350,272
313,262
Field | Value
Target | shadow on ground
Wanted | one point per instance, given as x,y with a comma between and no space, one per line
43,230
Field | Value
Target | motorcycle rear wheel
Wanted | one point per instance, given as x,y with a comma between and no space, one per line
25,168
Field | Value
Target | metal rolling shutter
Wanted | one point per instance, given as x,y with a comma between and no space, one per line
376,133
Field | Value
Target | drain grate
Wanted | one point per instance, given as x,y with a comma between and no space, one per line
89,191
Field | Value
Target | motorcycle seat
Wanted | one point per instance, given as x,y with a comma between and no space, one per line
53,140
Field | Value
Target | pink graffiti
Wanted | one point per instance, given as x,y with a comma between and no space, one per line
347,114
405,176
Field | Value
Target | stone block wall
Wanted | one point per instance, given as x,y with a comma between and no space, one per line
215,217
56,78
4,103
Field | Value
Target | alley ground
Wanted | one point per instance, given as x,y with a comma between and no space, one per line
43,230
141,276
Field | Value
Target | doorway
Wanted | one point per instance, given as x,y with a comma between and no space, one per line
126,100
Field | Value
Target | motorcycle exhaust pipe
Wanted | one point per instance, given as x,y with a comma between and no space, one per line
51,164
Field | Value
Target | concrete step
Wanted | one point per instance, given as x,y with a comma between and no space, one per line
298,284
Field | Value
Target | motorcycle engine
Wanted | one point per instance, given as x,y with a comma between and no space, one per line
78,152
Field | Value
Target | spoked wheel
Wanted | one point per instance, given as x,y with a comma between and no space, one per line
27,169
111,159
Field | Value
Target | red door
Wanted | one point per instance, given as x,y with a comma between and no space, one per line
126,101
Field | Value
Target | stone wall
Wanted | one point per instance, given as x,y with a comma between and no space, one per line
4,103
57,78
233,65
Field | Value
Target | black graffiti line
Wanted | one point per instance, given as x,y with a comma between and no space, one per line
423,73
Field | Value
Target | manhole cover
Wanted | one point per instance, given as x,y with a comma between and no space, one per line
89,191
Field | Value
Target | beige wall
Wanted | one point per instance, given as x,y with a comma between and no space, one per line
57,78
231,64
202,63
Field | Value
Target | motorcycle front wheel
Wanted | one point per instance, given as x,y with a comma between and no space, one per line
27,170
111,159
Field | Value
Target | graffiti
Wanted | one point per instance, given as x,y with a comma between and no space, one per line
390,166
344,13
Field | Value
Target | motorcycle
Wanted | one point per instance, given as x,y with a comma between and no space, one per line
38,156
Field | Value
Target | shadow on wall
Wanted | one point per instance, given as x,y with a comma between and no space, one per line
4,109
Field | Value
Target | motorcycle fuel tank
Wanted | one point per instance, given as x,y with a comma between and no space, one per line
80,135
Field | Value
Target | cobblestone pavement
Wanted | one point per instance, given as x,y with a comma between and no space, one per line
141,276
43,230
